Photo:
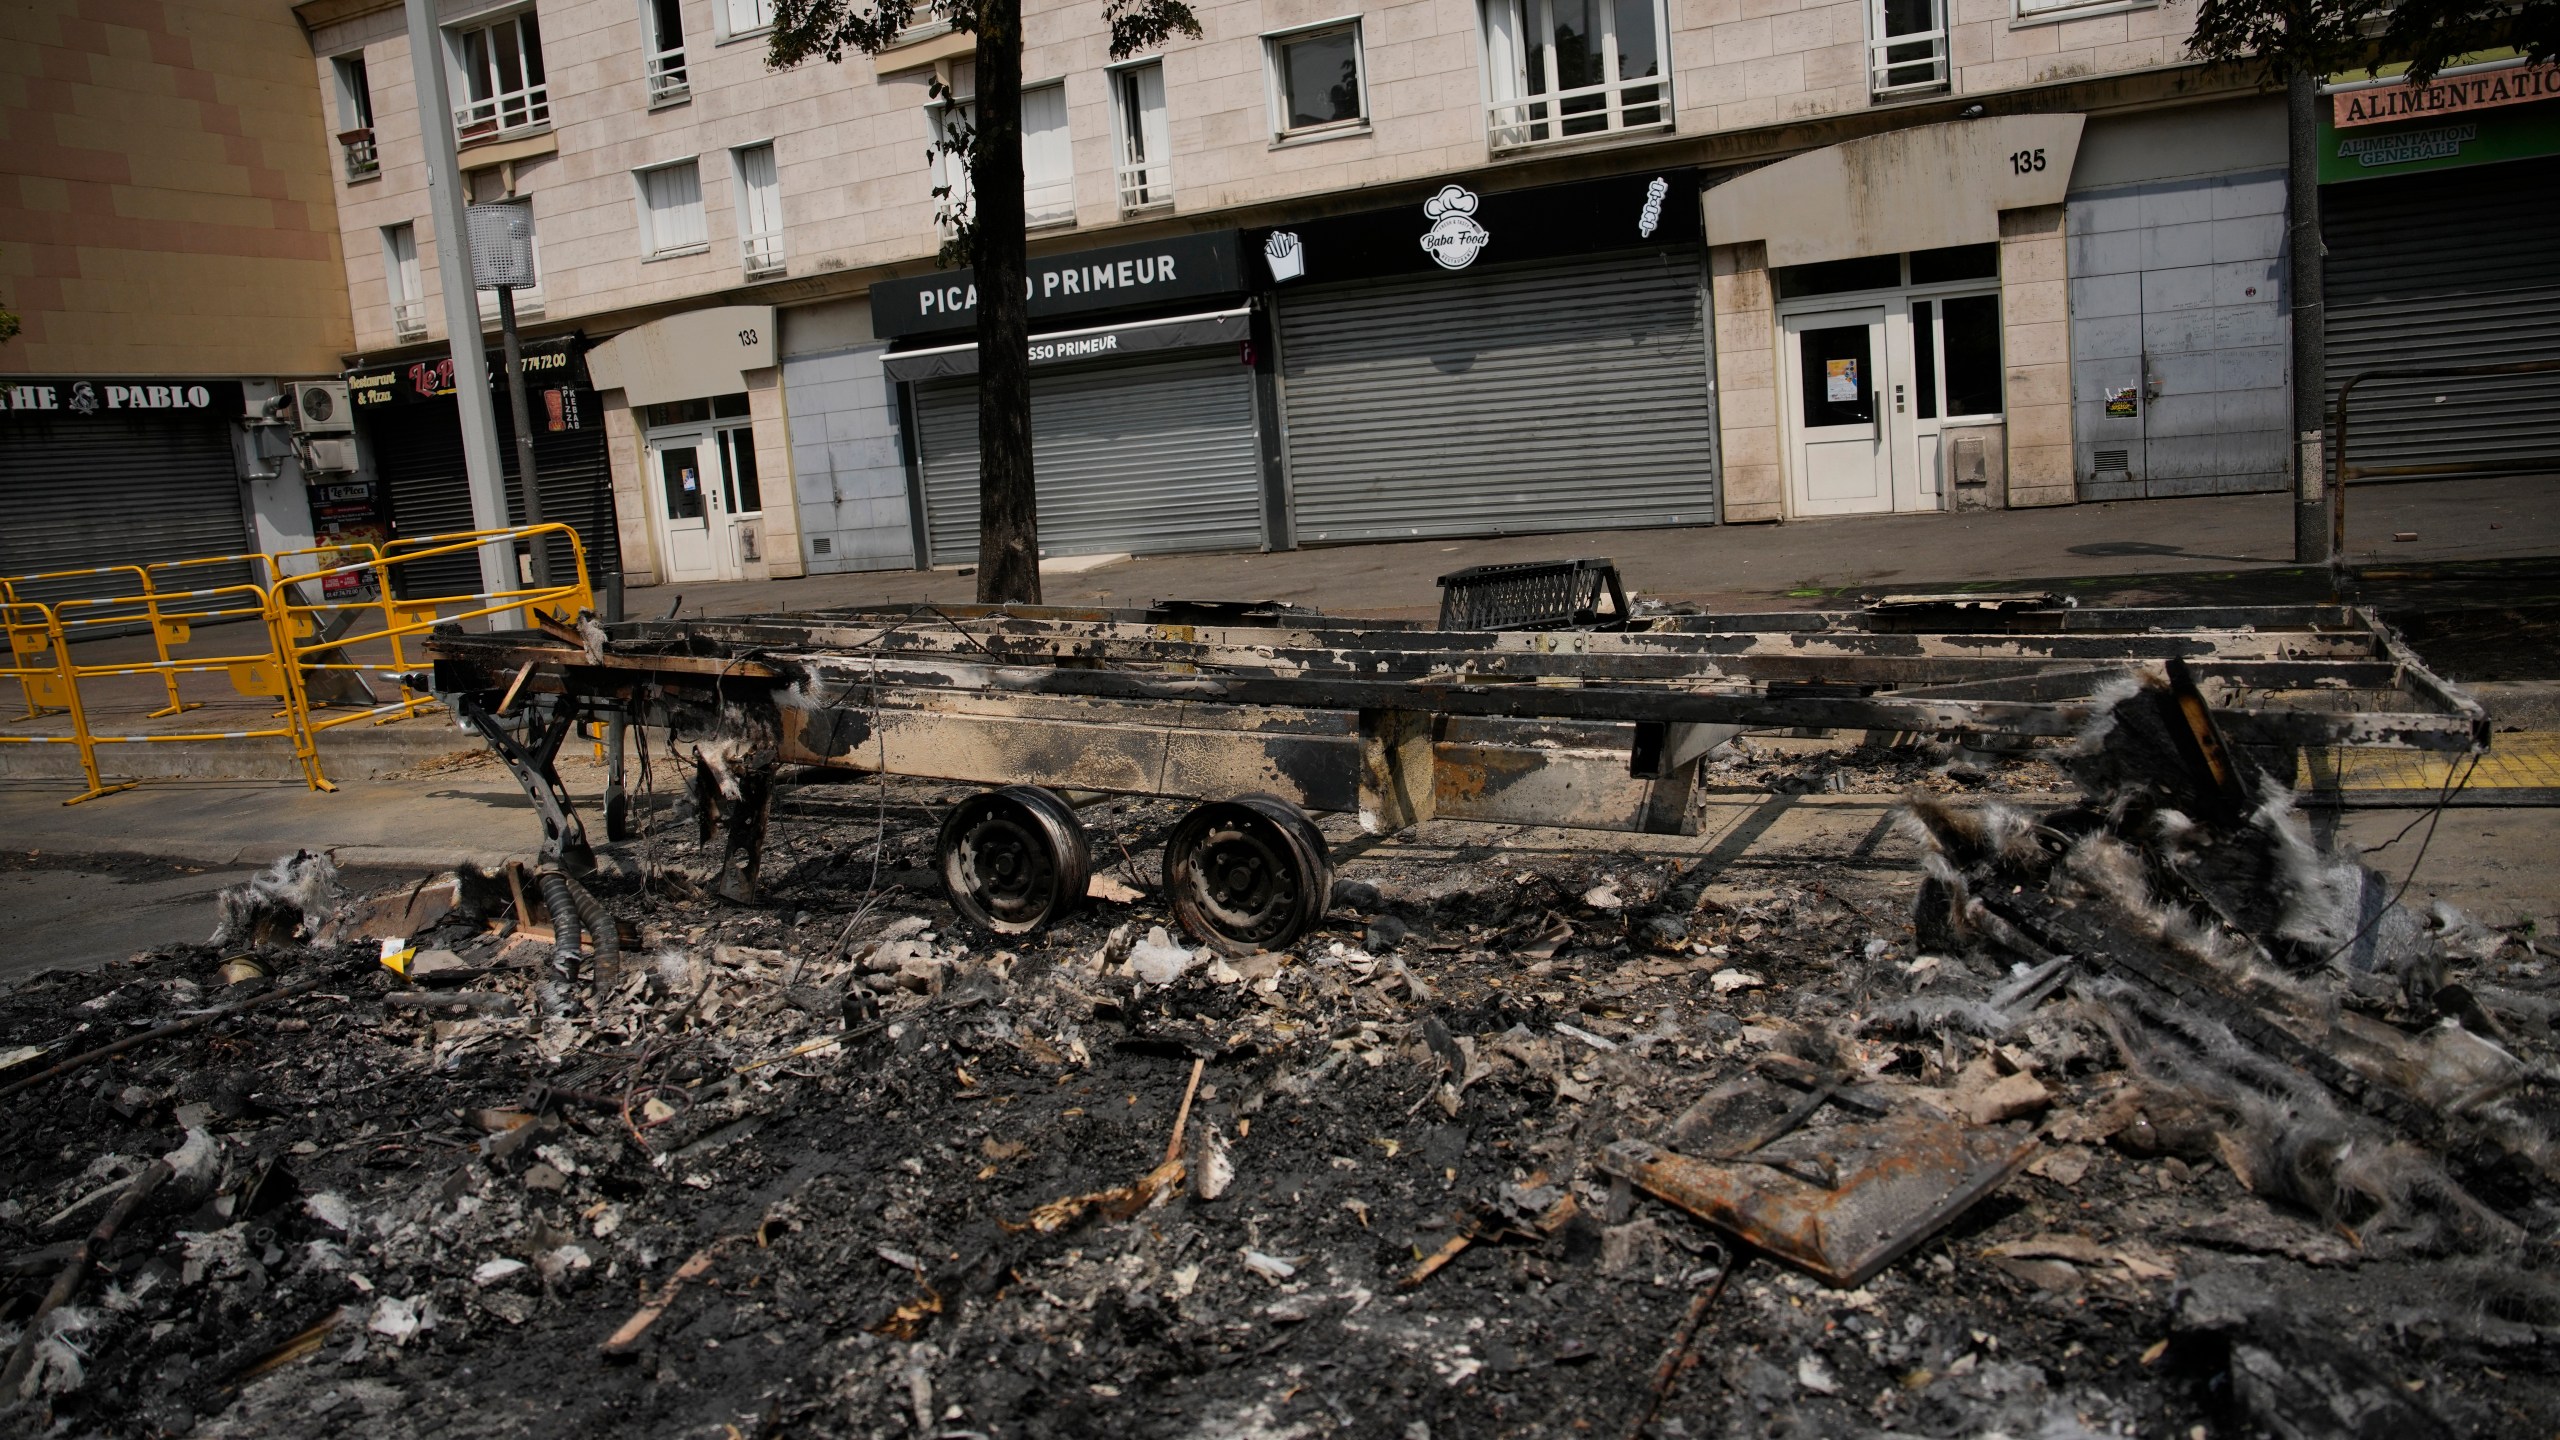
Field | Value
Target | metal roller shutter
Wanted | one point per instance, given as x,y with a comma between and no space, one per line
1146,458
1571,397
119,490
418,452
2451,267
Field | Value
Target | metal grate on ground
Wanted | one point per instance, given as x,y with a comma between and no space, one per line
2527,760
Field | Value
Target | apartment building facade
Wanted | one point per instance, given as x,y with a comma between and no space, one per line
1340,272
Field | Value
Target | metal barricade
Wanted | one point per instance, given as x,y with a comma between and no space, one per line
331,651
256,606
9,592
43,669
303,640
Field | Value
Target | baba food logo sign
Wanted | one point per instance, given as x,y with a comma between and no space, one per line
1454,239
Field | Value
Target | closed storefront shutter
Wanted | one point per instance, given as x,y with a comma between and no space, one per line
1143,458
1555,397
418,452
119,490
2450,267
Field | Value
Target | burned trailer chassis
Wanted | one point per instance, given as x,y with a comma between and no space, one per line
1266,713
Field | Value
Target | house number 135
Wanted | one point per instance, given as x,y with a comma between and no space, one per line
2025,160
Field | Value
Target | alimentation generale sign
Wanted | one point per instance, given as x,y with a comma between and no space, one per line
2476,115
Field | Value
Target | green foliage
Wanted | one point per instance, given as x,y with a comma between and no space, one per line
2336,37
2430,34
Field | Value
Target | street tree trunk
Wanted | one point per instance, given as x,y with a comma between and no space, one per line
1008,515
2310,321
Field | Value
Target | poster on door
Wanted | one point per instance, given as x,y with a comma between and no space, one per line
1840,382
2123,403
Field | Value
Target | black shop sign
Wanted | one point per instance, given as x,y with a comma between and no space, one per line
93,398
1119,277
548,365
1455,229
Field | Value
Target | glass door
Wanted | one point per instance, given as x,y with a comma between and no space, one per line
692,522
742,496
1836,428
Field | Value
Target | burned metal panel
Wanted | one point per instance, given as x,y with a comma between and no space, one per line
1850,1201
1532,785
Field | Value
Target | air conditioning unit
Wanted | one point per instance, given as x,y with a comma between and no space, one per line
320,408
335,457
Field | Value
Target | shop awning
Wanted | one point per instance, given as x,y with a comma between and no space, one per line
1097,342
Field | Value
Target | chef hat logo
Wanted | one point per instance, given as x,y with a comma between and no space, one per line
1452,200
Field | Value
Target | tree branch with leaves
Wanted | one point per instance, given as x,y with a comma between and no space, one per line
979,205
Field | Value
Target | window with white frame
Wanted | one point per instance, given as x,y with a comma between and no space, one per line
759,210
1048,160
1146,149
1906,48
498,77
355,118
2028,11
1563,69
671,209
1317,87
743,17
402,283
528,297
662,34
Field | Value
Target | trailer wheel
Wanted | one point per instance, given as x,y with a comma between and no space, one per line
1014,859
1247,874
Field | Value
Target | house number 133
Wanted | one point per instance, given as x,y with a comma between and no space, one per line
2023,161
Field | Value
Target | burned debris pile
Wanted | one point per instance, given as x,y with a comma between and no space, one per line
2134,1107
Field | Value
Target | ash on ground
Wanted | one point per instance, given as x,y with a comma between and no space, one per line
835,1165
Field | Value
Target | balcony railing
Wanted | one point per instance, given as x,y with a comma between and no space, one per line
1053,204
762,253
1576,114
1145,186
668,81
504,113
363,160
1912,63
409,319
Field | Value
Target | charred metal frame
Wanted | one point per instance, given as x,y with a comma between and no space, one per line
1399,723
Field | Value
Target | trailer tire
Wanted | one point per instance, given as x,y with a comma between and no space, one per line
1014,860
1247,874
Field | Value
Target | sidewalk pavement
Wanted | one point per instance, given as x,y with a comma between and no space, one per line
1799,564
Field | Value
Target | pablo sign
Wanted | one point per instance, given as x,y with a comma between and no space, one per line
1181,267
90,398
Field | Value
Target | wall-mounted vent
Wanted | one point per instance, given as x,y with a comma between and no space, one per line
822,545
2118,460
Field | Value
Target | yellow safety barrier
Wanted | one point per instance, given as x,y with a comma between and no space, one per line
33,672
37,709
325,655
310,648
258,605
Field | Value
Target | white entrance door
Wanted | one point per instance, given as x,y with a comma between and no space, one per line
1837,431
693,522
